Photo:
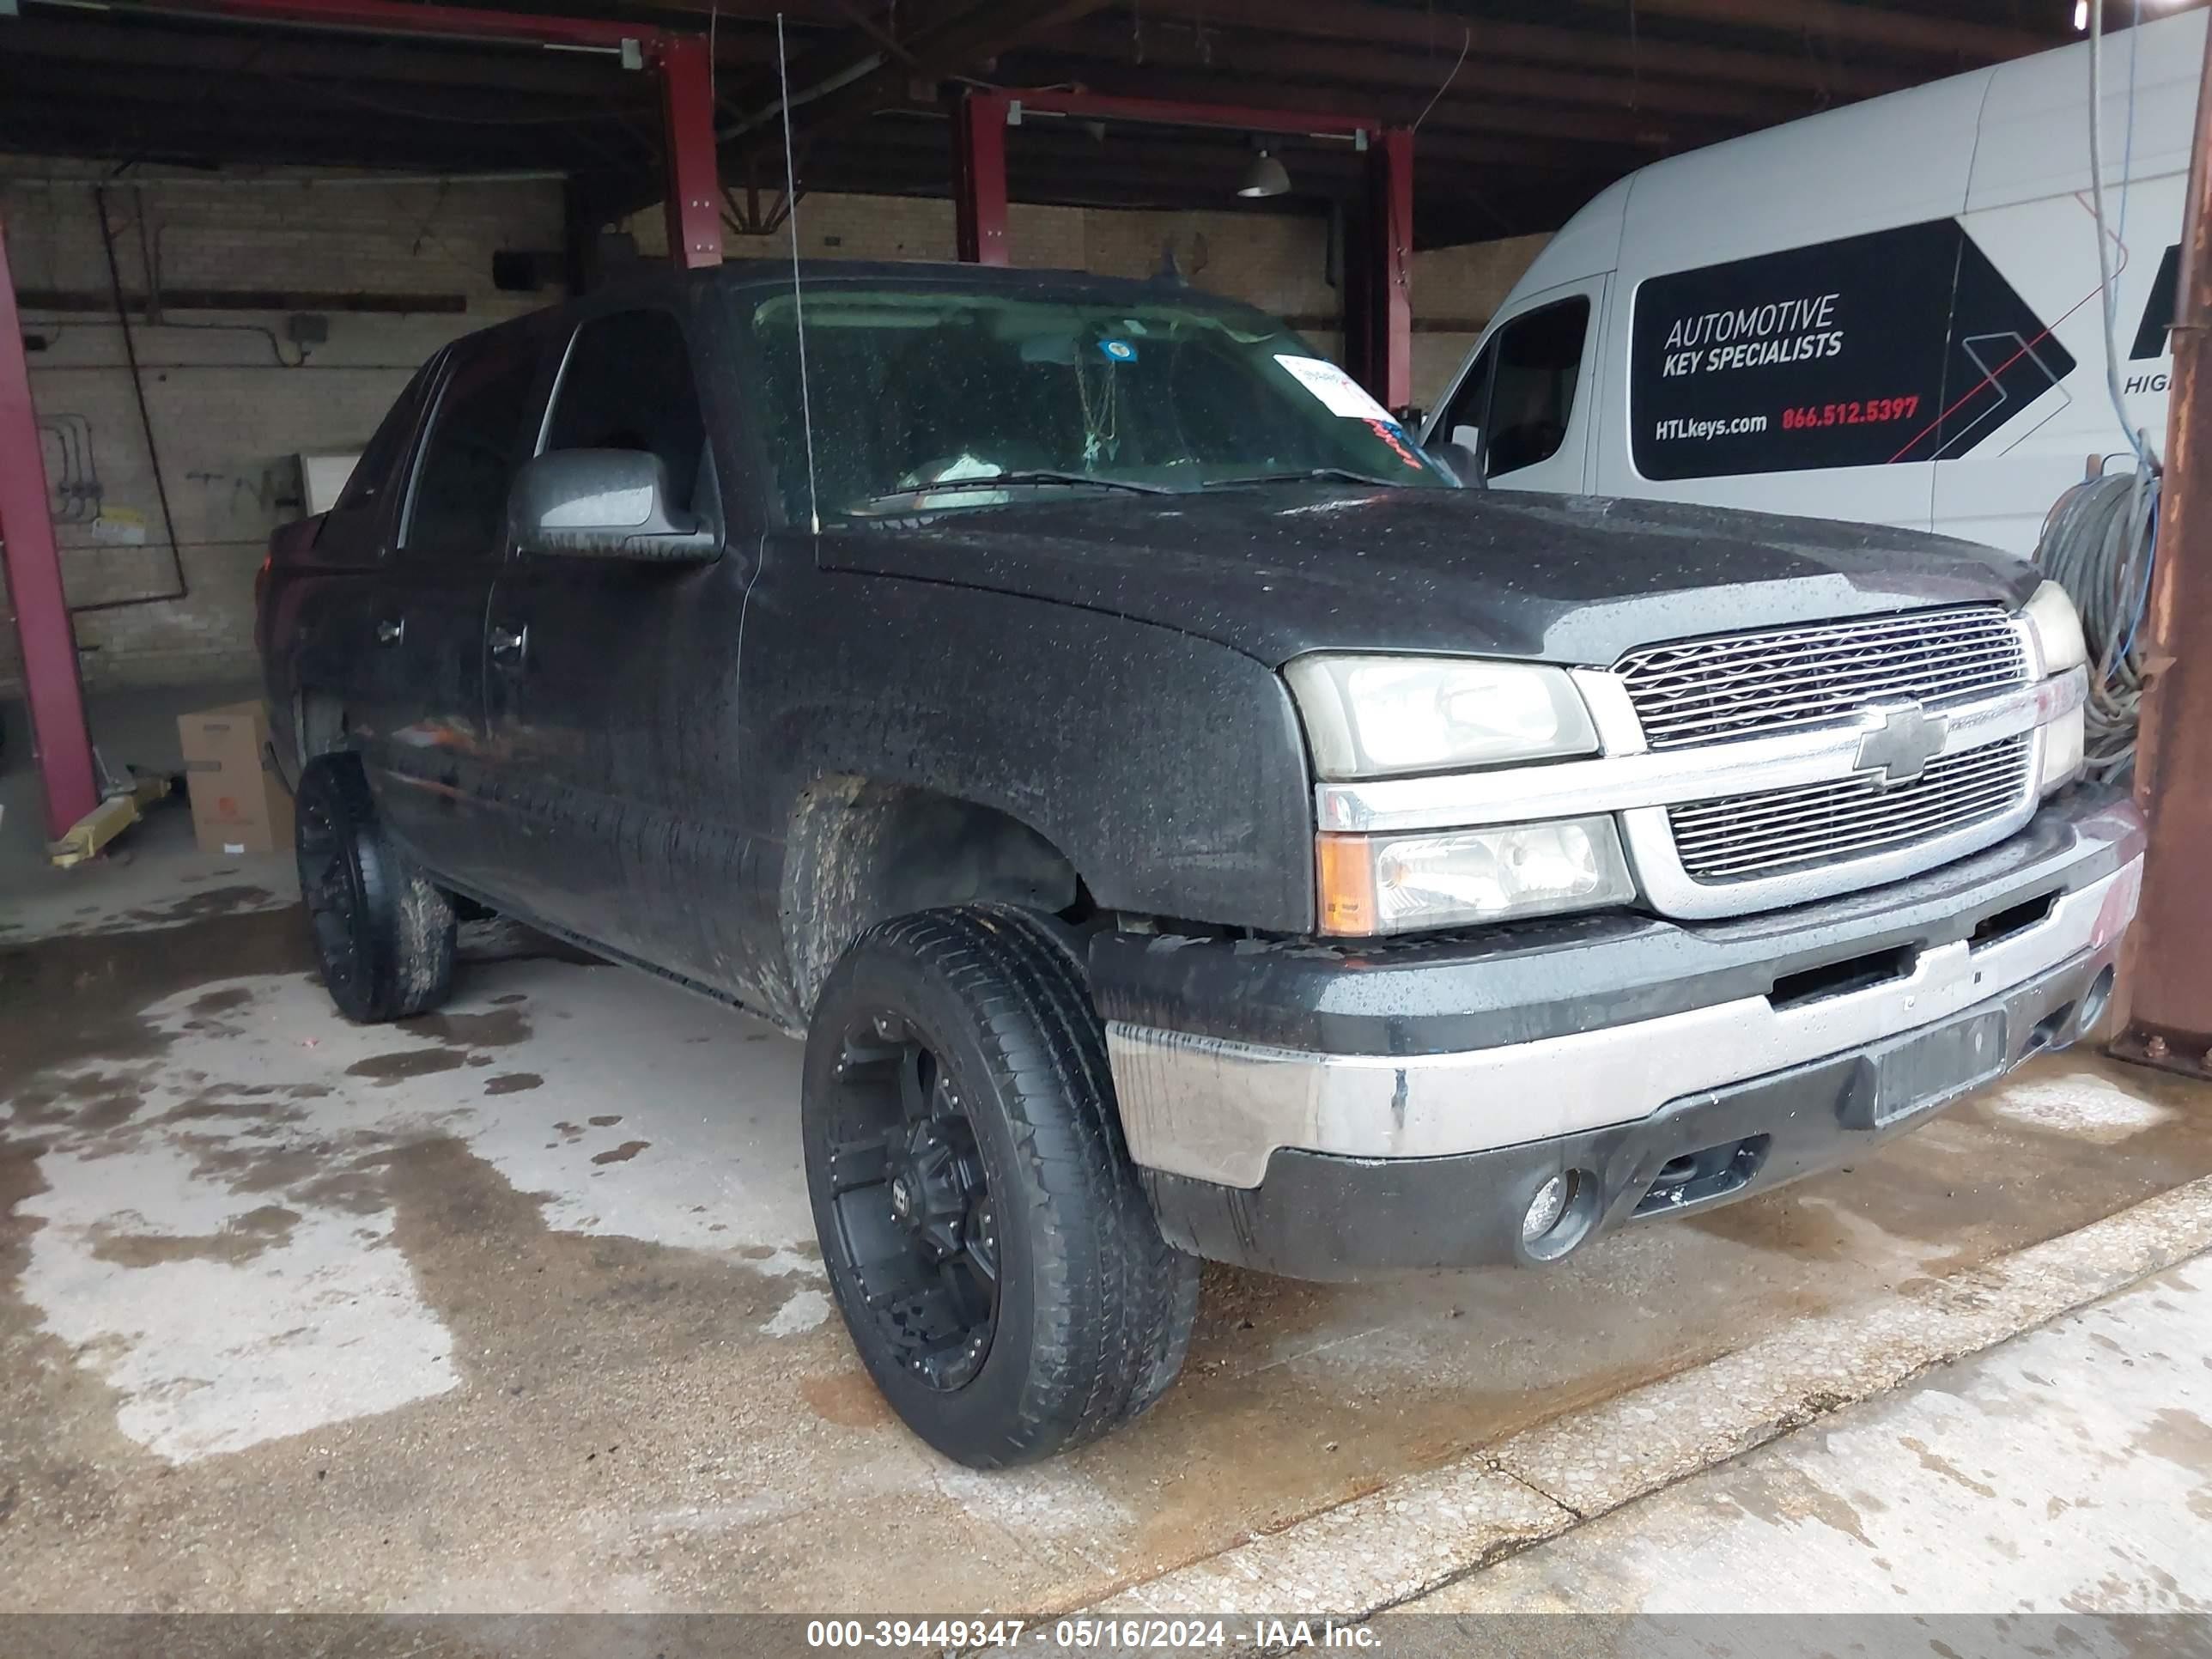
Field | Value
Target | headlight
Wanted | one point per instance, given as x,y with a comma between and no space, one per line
2051,617
1374,884
1369,717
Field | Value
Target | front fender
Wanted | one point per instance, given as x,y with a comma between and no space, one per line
1171,770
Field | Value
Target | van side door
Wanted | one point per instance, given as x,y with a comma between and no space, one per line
606,679
425,744
1526,403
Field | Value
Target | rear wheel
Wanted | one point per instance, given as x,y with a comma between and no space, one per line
383,931
988,1244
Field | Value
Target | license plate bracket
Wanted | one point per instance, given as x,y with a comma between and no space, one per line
1925,1070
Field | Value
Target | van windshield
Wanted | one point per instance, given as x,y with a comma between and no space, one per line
935,399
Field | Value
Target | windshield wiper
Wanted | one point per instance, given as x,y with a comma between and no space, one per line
1305,474
1031,476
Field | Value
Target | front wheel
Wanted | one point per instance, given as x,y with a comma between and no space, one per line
384,932
986,1237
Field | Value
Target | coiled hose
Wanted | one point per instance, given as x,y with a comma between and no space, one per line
2099,543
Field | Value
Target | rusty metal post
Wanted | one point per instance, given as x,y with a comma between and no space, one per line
1393,185
979,177
694,190
43,630
2170,968
1378,255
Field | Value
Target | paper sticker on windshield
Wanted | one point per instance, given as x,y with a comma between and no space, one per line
1339,392
1119,352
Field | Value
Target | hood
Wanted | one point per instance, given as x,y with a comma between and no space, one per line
1279,571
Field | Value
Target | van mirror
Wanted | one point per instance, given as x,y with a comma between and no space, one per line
1463,453
603,504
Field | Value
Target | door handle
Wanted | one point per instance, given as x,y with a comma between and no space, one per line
508,644
390,631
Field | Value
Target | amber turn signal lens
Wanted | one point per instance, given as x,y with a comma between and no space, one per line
1346,865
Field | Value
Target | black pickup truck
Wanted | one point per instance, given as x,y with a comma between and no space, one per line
1182,820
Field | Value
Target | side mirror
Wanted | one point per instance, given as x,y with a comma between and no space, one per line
1463,453
603,504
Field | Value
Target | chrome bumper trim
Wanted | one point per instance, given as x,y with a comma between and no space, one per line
1628,775
1217,1110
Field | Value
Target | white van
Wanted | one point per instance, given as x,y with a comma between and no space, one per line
1889,312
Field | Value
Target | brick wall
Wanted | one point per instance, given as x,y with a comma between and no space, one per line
228,417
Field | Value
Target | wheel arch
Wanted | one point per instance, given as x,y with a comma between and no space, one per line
862,850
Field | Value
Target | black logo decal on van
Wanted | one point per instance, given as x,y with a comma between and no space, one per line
2158,313
1901,345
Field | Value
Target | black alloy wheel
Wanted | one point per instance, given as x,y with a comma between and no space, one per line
987,1238
912,1203
383,932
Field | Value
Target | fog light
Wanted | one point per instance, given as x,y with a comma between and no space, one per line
1546,1207
2094,1002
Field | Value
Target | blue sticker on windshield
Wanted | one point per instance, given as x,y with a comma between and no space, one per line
1119,352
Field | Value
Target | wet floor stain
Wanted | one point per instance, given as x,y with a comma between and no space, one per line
512,1083
501,1028
622,1154
849,1399
240,1240
212,904
736,1420
408,1063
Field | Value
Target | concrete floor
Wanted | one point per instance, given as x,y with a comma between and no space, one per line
154,868
516,1305
2066,1472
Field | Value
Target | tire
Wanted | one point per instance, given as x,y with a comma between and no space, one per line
1019,1301
383,932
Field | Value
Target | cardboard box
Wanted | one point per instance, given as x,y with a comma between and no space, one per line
238,803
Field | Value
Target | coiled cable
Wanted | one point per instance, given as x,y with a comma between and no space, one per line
2100,543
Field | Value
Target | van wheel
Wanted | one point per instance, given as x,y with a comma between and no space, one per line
384,933
988,1244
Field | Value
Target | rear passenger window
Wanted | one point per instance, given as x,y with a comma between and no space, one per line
628,384
1520,394
475,442
358,520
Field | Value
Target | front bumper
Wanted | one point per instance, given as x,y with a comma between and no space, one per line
1323,1111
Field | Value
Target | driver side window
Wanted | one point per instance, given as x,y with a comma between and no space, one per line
1520,393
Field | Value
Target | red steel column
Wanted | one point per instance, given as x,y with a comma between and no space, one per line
979,176
1393,295
34,582
695,190
2169,972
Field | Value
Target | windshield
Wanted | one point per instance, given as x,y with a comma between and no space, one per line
932,399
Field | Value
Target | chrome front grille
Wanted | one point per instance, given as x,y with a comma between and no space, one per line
1739,686
1771,833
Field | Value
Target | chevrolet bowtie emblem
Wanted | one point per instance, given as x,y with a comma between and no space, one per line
1900,739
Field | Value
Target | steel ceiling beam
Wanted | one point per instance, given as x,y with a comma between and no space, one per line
92,39
1443,33
691,192
1920,32
1210,49
1391,107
